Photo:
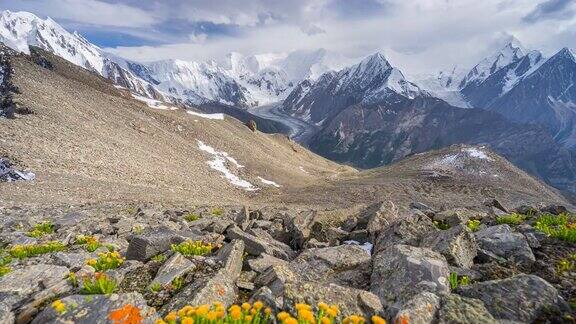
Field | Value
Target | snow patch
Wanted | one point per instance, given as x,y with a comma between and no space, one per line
269,182
218,116
156,104
367,246
10,174
218,163
476,153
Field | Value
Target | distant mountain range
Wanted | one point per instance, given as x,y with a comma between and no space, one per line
365,113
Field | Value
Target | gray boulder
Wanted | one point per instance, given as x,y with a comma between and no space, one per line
177,266
300,227
264,262
378,217
258,245
420,309
521,298
401,272
143,247
343,264
20,283
95,309
217,287
501,241
458,309
409,229
457,245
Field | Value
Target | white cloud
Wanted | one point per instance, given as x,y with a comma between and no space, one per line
86,11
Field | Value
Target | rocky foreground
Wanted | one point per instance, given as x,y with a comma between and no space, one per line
407,265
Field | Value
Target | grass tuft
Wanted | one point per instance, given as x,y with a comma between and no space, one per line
562,227
41,229
100,284
106,261
473,225
511,219
190,217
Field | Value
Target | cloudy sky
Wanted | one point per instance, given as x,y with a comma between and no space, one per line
417,35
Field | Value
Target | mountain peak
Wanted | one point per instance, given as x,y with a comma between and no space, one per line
566,53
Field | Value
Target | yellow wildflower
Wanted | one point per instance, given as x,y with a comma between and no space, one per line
268,311
300,306
91,262
258,305
306,315
335,309
283,316
160,321
202,310
325,320
246,306
378,320
212,315
59,306
248,319
330,312
291,320
323,306
234,307
187,320
171,317
235,313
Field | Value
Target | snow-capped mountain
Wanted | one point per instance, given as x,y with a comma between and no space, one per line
444,85
19,30
239,80
370,81
511,53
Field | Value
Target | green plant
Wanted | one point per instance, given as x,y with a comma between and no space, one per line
190,247
41,229
217,211
155,287
177,283
98,285
511,219
30,250
457,281
562,227
4,270
91,243
473,225
159,258
441,224
73,279
137,229
106,261
190,217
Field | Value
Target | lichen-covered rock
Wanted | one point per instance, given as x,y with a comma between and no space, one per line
421,309
378,217
521,298
409,229
257,245
344,264
458,309
265,261
457,244
501,241
18,284
143,247
217,287
300,227
95,309
402,271
6,316
177,266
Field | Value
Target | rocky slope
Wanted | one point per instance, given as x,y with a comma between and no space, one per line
405,264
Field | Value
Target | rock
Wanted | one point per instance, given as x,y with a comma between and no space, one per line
454,217
72,260
423,208
407,230
343,264
553,209
502,242
458,309
496,204
276,277
457,245
264,262
401,272
95,309
300,228
379,216
525,210
246,280
6,316
231,258
420,309
217,287
143,247
242,219
258,245
18,284
521,298
315,244
177,266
